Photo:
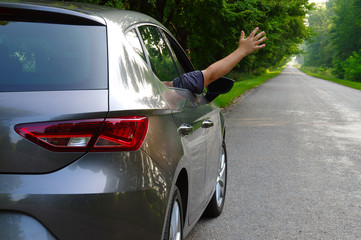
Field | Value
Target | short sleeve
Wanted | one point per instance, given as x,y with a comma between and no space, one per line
192,81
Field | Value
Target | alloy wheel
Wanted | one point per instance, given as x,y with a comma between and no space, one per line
221,180
176,223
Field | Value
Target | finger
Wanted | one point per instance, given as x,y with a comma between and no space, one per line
242,35
260,46
259,35
254,32
261,40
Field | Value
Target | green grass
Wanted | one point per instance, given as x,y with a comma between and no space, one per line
240,87
351,84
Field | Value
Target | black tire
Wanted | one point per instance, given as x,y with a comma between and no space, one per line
174,226
215,206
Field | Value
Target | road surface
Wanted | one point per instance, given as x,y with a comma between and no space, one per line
294,161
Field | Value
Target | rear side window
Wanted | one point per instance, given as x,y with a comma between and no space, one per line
160,58
47,56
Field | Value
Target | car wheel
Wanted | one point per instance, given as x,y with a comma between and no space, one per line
174,228
215,206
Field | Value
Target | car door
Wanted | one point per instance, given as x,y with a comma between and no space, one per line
209,120
190,118
204,142
188,114
193,115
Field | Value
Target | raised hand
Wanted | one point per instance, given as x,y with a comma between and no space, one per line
252,43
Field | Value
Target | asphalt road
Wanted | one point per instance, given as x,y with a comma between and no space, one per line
294,163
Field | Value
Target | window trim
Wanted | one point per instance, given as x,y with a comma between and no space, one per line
161,33
145,50
180,53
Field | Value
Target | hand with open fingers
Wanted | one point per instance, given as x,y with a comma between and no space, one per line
252,43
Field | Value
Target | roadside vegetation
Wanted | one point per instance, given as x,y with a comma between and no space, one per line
244,84
328,76
334,50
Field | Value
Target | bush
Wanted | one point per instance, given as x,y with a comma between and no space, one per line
338,70
352,67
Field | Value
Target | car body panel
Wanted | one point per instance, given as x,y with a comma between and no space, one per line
111,195
20,155
102,194
131,86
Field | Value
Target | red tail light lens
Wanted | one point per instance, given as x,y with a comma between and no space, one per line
122,134
111,134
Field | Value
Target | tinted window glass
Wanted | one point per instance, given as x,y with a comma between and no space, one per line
160,59
181,56
134,41
176,61
43,56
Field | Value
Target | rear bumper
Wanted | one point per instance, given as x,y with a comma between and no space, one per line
100,196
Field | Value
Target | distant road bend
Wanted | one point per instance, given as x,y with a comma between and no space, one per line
294,158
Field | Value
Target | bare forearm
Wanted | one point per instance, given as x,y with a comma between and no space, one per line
246,46
223,66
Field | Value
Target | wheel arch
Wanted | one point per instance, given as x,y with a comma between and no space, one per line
183,187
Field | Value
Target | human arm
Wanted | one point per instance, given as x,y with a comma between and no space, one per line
246,46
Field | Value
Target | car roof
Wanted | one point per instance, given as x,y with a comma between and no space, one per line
99,15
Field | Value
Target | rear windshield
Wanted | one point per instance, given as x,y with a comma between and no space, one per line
47,56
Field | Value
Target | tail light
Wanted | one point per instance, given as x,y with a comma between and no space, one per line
99,135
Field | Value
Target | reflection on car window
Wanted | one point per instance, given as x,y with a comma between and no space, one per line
160,59
134,41
42,56
176,61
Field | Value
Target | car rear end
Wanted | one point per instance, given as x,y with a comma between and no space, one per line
69,168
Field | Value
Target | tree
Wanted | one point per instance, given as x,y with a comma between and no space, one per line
320,50
336,41
346,33
210,29
346,29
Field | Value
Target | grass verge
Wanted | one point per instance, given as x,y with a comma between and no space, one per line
351,84
240,87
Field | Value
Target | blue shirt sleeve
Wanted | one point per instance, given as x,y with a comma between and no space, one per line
192,81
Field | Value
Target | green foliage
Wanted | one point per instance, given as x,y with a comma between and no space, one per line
210,29
346,28
351,84
283,22
338,70
352,67
336,41
319,48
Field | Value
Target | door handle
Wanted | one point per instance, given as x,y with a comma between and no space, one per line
207,124
185,129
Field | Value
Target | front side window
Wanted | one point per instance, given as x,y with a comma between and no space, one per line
47,56
159,56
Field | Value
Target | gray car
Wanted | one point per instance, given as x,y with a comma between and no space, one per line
92,144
